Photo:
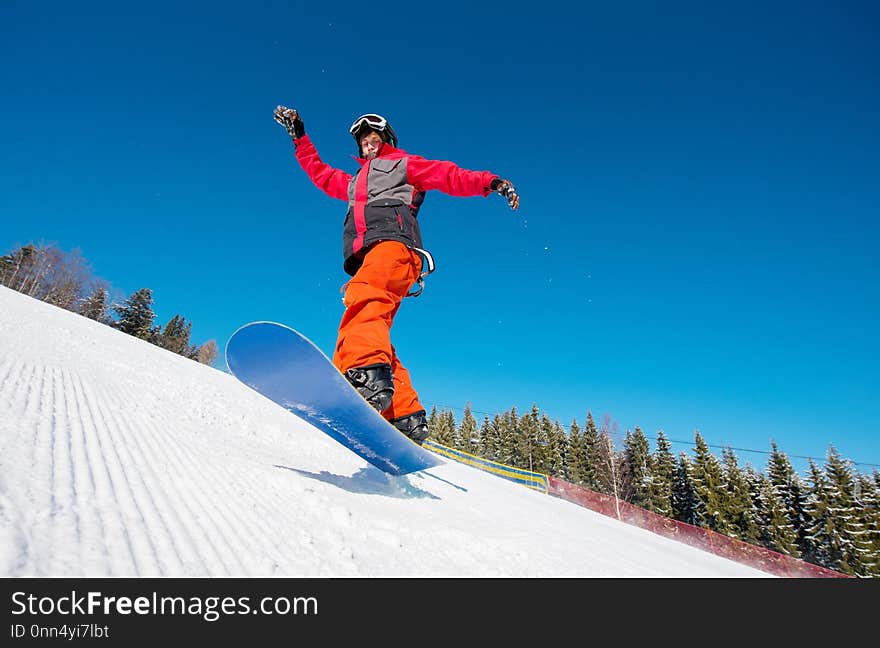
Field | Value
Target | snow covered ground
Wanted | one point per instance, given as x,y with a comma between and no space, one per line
118,458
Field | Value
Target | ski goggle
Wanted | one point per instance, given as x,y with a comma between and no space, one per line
376,122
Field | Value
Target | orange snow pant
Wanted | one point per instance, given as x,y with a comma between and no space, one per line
371,300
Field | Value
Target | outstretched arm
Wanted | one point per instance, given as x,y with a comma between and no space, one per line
455,181
333,182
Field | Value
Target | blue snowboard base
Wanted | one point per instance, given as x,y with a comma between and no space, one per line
286,367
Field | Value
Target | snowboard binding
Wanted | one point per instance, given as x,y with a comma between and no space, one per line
414,425
374,382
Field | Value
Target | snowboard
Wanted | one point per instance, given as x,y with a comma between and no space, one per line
285,366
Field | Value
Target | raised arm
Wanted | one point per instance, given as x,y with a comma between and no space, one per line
333,182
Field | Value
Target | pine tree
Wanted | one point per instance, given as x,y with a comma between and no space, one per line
136,314
509,438
708,482
790,490
449,424
549,446
686,504
574,459
446,432
589,460
486,447
490,438
95,305
755,481
175,336
433,423
663,463
637,469
817,547
467,435
741,519
557,451
775,530
546,443
869,503
530,452
850,542
442,430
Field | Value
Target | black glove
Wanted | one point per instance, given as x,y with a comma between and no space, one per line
291,121
506,189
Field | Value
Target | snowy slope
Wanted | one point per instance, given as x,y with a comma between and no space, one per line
118,458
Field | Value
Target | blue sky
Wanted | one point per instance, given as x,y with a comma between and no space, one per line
696,246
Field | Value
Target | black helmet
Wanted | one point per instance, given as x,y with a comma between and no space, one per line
376,123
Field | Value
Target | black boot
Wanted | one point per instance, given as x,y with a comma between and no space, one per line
414,425
374,382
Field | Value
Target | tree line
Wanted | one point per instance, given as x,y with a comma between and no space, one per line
65,279
830,518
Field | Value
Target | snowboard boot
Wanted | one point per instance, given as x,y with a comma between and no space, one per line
374,382
414,425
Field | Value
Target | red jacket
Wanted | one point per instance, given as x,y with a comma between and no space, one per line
384,195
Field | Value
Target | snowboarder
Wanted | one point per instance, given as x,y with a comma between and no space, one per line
382,250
